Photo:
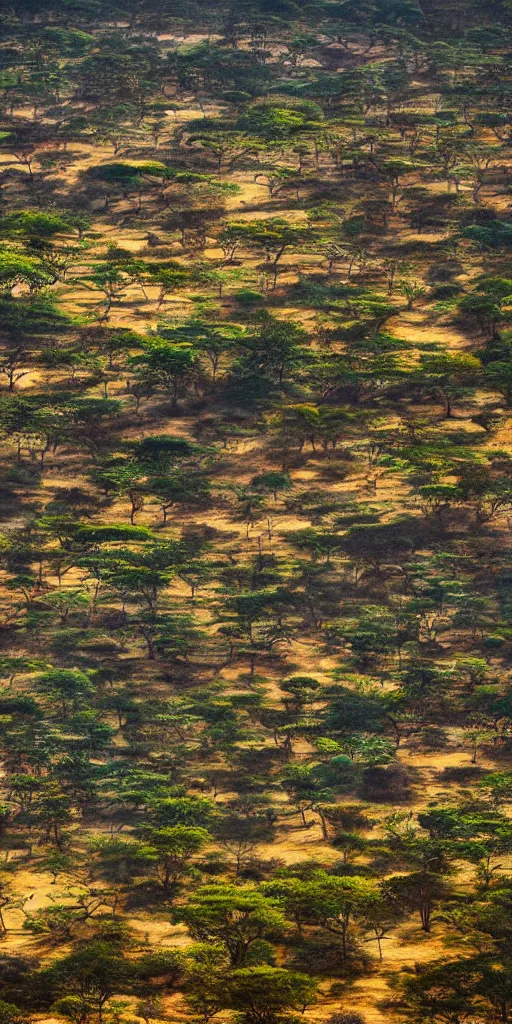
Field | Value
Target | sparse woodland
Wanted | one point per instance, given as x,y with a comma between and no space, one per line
256,511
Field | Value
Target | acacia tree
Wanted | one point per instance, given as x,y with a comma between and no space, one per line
236,916
67,687
93,973
272,237
111,281
261,994
174,845
420,891
450,375
168,367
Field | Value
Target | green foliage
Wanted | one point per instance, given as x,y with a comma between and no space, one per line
256,358
237,917
262,994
